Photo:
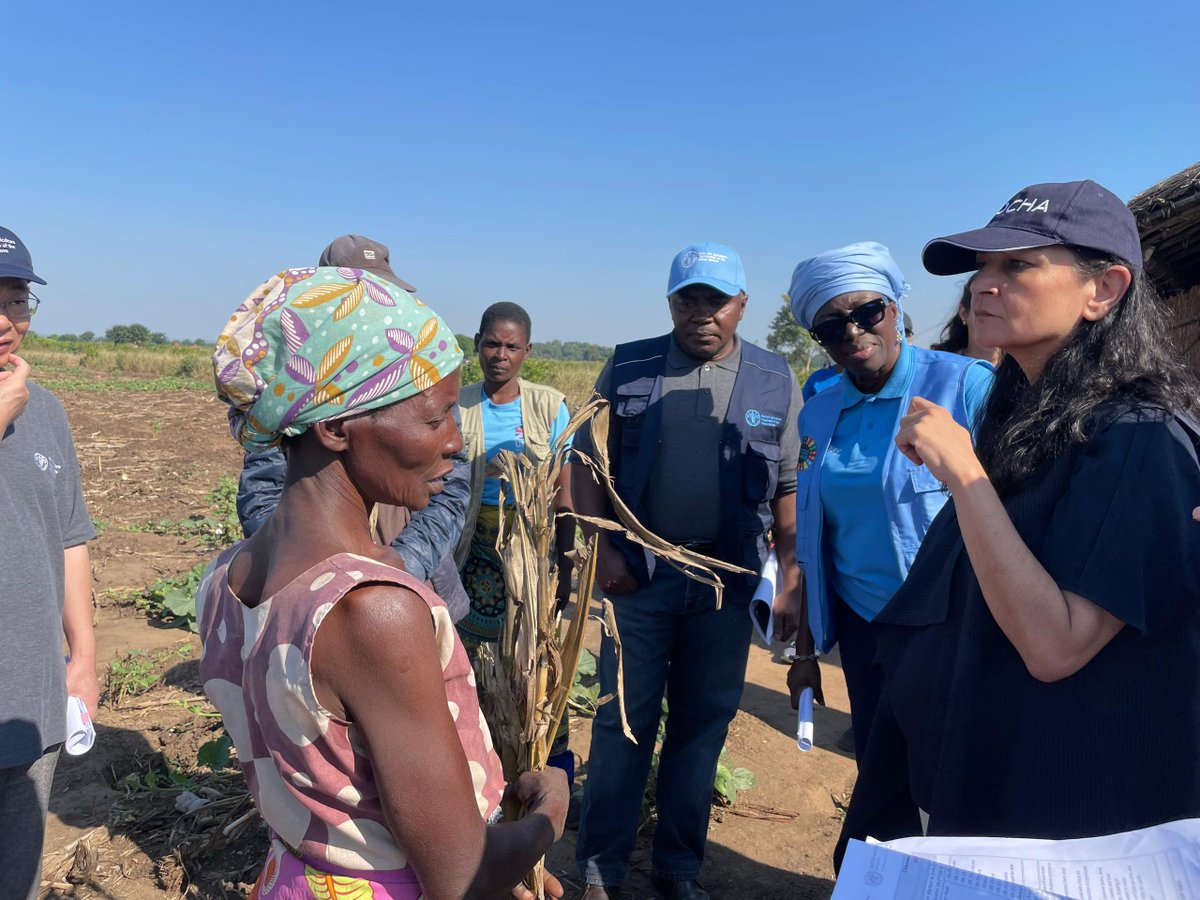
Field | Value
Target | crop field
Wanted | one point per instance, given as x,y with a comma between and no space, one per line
158,809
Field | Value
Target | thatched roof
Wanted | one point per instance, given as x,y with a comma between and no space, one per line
1168,217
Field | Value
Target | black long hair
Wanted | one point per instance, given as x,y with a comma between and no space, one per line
1125,357
955,336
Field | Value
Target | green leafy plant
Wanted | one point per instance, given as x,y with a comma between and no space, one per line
585,690
135,673
219,529
130,675
167,780
173,600
215,753
729,781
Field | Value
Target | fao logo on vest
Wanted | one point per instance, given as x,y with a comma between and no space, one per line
754,418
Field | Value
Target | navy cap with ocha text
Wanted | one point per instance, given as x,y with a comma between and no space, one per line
1075,213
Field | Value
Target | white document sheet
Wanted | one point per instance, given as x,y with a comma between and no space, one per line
81,733
764,599
1159,863
874,872
804,722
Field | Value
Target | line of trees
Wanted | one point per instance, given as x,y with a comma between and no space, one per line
785,337
125,334
572,350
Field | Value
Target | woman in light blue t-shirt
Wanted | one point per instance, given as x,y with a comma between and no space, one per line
506,412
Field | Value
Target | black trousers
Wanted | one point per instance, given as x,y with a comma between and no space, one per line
856,641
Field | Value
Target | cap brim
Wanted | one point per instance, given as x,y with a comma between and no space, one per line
955,254
389,275
10,271
724,287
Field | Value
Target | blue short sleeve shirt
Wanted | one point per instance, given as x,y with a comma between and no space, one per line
503,430
866,570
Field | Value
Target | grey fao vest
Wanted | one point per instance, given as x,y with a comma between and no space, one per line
748,462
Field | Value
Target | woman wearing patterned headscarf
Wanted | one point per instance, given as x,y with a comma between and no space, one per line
340,677
862,508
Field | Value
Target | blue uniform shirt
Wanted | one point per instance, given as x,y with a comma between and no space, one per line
502,430
865,576
819,380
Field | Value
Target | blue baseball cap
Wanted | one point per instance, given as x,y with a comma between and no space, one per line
1078,213
14,258
709,263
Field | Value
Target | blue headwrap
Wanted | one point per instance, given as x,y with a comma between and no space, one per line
856,267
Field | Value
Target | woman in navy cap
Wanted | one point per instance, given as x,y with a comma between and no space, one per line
862,507
1041,663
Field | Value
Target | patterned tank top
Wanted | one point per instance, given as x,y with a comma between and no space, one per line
307,770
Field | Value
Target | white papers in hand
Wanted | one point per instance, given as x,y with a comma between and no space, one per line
1162,862
81,734
804,723
873,872
763,601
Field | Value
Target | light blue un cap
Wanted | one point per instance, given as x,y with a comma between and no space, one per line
709,263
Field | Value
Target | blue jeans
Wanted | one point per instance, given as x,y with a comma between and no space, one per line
674,639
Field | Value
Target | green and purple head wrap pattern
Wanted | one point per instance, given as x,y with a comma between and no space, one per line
309,345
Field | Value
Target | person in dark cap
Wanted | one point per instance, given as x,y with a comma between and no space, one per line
1041,662
704,448
357,252
426,539
45,584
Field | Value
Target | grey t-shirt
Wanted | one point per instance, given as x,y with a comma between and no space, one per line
682,498
44,514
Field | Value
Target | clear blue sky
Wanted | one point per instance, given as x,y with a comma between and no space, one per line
162,159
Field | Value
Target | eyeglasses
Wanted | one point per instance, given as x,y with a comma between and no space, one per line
20,309
866,317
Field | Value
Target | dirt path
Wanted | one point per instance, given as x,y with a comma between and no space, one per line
114,828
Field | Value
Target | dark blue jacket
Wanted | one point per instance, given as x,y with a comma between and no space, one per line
749,450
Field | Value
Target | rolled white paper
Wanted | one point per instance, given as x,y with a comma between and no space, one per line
804,723
760,609
81,734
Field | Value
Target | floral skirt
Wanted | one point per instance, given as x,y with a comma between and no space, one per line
483,578
286,876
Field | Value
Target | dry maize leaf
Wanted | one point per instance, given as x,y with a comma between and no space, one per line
610,625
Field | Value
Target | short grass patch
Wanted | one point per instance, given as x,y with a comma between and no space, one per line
136,672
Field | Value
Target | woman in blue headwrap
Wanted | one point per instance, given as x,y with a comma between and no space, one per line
862,507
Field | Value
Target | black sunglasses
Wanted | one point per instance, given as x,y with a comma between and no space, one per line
866,317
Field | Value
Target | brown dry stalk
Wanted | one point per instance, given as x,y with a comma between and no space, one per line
694,565
525,680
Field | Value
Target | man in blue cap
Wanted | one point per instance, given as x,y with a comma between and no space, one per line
704,449
45,584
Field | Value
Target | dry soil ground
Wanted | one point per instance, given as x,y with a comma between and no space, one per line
114,831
